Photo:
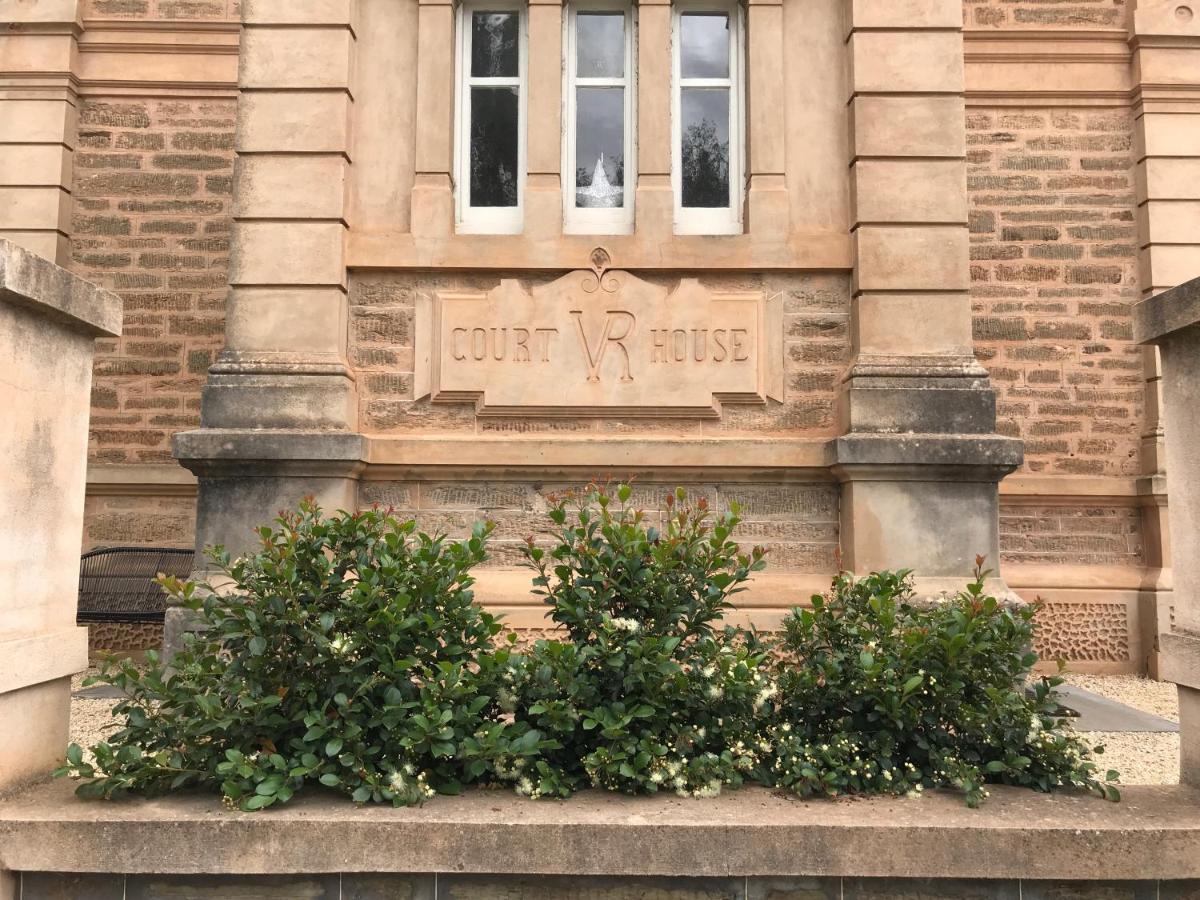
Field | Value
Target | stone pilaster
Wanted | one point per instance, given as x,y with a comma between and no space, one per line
654,199
543,182
1171,322
38,108
432,201
280,412
1165,44
768,207
919,449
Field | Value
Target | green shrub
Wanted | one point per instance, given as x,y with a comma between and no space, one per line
347,652
878,694
646,692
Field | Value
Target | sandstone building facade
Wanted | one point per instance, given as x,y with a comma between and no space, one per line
837,260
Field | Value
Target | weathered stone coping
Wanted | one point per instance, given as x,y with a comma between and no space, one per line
29,280
1167,312
1153,833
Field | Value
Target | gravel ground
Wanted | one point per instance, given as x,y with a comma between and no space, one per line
1140,757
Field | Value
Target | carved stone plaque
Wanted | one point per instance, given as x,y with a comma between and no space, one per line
601,343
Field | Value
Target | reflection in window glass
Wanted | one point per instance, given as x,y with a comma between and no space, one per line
600,43
495,44
704,45
599,147
494,162
704,147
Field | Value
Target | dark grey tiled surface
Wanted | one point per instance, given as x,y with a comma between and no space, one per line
508,887
56,886
1089,890
928,889
245,887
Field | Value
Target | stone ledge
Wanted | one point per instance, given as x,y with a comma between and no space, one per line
27,279
1153,833
26,661
1167,312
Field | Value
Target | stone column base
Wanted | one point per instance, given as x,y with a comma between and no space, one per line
247,478
928,503
1180,663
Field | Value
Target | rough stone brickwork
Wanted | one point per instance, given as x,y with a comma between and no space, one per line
1079,535
153,185
1046,13
816,323
797,523
161,9
1054,267
153,521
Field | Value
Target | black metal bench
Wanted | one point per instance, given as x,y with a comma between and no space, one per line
116,584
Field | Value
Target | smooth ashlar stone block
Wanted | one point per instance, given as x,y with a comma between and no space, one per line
901,62
293,121
933,191
906,14
296,58
266,187
908,126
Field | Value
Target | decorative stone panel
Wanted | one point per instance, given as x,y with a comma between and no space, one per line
812,322
1082,632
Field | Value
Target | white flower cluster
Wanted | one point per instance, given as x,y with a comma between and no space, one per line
625,624
405,782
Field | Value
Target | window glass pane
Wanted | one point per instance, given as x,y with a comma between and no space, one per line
494,143
704,45
599,147
495,51
600,42
704,146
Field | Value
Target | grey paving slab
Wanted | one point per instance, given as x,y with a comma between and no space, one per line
99,692
1097,713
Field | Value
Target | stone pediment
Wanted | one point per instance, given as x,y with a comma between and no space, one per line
600,342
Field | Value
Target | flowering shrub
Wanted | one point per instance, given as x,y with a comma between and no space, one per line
879,695
347,652
647,692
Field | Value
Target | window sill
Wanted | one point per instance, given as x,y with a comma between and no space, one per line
830,251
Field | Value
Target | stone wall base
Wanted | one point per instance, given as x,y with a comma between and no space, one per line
485,844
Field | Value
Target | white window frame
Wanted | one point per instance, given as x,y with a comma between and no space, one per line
598,221
694,220
488,219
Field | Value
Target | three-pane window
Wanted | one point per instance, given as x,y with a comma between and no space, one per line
599,166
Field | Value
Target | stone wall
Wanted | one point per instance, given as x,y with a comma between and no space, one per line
1034,14
1054,277
796,522
153,189
1054,244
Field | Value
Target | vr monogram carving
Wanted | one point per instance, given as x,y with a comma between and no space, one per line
600,342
